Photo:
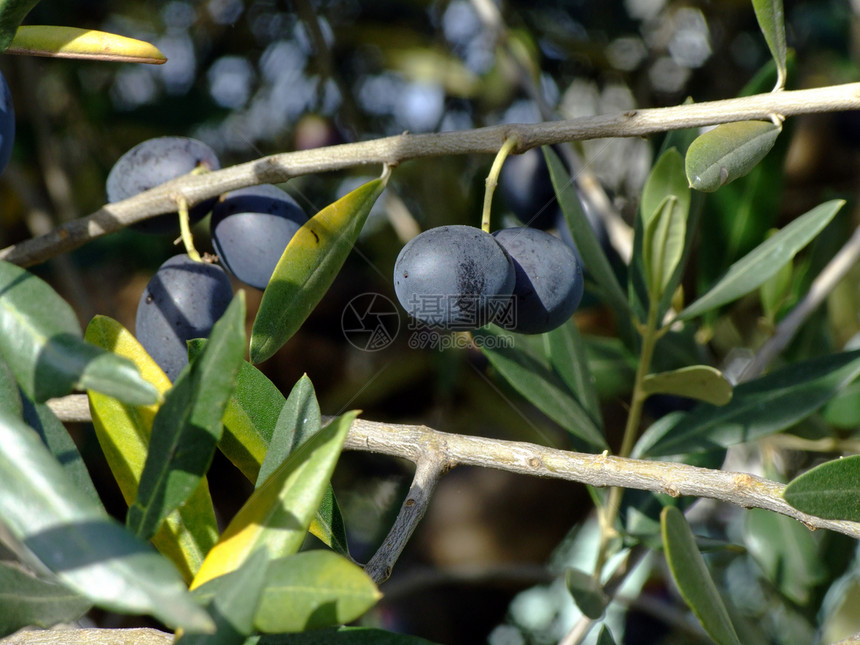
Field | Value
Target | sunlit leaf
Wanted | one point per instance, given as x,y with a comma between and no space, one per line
73,42
305,591
307,268
693,579
123,432
538,384
277,514
73,537
771,21
830,490
728,151
26,600
666,179
758,408
763,262
188,425
701,382
663,245
40,338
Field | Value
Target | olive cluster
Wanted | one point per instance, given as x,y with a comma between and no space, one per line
522,279
250,229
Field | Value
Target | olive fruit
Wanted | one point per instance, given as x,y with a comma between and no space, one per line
453,277
549,282
527,189
182,301
250,229
154,162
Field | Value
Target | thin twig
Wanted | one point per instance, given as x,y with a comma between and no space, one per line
394,150
435,451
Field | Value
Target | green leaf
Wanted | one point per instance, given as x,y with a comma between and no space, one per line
587,593
277,514
188,426
305,591
728,151
663,245
565,350
830,490
233,606
10,395
123,432
40,339
666,179
73,537
12,13
771,21
26,600
307,268
763,262
787,553
589,247
299,420
701,382
605,637
328,525
538,384
774,291
250,418
74,42
758,408
55,436
692,577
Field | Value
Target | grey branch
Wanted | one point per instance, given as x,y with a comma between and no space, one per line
435,452
398,149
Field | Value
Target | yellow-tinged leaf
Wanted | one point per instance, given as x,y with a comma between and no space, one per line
73,42
278,513
123,432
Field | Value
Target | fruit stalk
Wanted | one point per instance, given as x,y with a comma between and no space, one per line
493,180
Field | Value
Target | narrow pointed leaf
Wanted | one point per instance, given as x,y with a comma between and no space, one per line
10,395
565,350
587,593
701,382
123,432
830,490
307,590
605,637
693,579
60,444
763,262
277,514
730,150
589,247
26,600
663,245
307,268
12,13
233,606
73,42
73,537
666,179
299,419
758,408
188,426
40,339
539,385
771,21
249,423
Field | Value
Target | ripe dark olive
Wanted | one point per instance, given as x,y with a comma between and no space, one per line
181,302
7,124
549,283
251,227
154,162
453,277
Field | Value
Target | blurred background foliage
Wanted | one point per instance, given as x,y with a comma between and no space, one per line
255,77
